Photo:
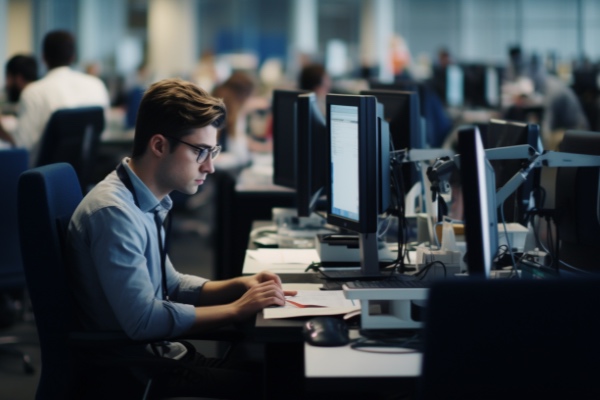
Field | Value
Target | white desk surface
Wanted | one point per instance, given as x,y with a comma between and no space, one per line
344,362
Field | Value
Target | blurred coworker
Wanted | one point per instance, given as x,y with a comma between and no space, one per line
62,87
236,92
315,78
20,71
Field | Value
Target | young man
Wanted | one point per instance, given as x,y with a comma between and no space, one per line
123,279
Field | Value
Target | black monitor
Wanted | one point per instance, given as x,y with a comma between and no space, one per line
578,204
284,137
502,133
482,85
358,186
311,154
479,197
402,112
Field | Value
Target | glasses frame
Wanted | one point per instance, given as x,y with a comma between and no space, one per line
203,151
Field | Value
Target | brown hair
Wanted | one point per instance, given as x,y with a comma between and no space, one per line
175,107
235,91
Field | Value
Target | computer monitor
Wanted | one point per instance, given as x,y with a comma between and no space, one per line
284,108
577,205
402,112
503,133
479,200
358,185
482,85
311,154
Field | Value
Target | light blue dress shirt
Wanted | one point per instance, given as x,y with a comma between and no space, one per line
114,255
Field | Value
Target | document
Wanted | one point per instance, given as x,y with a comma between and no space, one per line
279,260
308,303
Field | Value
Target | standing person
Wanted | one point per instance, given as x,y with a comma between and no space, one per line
20,71
123,279
61,87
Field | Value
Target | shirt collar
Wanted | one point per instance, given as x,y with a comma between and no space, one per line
147,201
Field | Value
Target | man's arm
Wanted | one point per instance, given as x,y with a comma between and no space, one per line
226,291
250,295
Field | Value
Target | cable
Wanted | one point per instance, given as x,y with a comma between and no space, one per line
512,255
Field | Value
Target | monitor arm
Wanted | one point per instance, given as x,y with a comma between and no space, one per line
439,172
551,159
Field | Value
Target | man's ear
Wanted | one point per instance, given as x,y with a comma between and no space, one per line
158,145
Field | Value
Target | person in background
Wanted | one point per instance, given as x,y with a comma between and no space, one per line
314,78
236,93
20,71
61,87
124,279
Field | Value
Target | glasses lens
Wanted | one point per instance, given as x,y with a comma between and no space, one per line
215,152
202,155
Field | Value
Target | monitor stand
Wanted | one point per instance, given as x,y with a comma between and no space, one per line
369,262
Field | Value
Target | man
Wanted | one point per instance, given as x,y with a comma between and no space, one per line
20,71
123,278
62,87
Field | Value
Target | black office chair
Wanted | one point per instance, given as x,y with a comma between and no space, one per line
72,135
12,277
503,339
75,363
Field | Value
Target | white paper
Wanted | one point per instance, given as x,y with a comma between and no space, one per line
333,302
284,256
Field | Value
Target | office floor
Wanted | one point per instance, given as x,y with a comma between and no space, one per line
190,252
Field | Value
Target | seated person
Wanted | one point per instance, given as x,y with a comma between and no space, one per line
123,278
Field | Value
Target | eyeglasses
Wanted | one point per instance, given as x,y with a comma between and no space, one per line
203,152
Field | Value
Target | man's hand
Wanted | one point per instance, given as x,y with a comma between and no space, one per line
266,276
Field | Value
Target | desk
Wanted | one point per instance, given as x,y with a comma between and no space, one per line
292,363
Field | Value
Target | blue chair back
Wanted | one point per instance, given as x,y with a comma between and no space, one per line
72,135
12,163
47,198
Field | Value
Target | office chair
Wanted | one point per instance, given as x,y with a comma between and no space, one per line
502,339
12,277
72,135
74,360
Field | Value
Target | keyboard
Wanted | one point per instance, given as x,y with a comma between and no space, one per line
389,284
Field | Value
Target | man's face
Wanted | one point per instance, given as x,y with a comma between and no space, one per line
180,170
13,88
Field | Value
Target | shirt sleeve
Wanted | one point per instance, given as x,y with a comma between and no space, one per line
119,245
31,124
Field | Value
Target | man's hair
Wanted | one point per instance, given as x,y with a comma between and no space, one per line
311,76
23,65
175,107
58,48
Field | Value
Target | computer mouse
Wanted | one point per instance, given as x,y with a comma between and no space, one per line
326,332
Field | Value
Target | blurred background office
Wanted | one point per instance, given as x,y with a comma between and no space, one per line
131,43
530,60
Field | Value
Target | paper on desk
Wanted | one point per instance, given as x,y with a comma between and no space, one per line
333,302
284,256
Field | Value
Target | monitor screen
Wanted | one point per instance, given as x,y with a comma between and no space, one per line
501,133
358,187
311,154
479,197
284,137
